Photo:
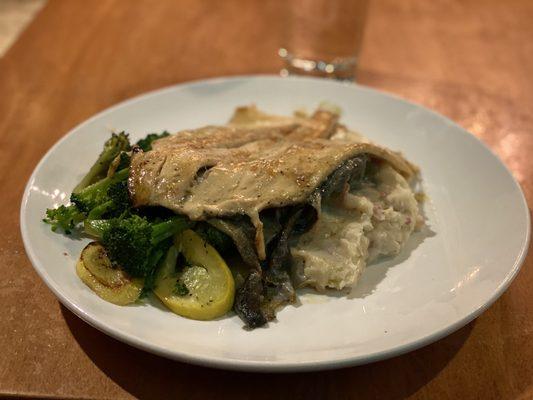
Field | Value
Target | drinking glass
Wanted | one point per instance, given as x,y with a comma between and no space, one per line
323,37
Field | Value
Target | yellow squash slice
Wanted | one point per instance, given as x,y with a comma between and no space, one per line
111,284
204,288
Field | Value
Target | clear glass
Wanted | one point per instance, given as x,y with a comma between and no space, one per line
323,37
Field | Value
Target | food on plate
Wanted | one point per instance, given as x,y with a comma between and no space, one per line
204,288
112,284
239,215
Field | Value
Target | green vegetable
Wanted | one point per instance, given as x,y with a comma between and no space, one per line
105,196
110,283
146,143
207,278
112,148
117,201
181,288
124,161
135,243
64,217
96,194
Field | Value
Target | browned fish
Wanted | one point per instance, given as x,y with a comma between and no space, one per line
221,171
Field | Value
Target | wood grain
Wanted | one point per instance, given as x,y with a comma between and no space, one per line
470,60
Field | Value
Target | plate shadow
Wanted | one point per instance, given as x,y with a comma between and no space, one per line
147,376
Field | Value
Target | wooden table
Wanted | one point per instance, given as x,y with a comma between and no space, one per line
470,60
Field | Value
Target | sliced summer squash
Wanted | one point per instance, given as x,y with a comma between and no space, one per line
203,288
110,283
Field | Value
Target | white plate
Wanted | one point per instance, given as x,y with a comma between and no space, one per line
441,282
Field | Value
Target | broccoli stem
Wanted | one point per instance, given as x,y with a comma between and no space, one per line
112,148
96,194
95,227
98,211
160,231
104,183
166,229
153,262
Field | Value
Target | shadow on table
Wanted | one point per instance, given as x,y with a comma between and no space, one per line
144,375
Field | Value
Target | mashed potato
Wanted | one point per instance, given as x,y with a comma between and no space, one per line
375,221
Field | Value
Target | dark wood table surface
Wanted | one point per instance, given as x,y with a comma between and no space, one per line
470,60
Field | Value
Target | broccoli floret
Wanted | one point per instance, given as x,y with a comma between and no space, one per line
124,161
219,240
146,143
64,217
112,148
95,199
105,196
118,193
114,204
128,243
134,243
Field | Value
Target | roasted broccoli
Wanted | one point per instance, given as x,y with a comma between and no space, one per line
112,148
124,161
116,202
146,143
135,243
97,193
107,196
64,217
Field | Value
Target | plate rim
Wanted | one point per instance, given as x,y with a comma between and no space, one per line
255,365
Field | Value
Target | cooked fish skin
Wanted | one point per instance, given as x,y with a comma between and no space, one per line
248,301
239,231
255,176
321,124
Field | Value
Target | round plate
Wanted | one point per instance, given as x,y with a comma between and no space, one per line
477,235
